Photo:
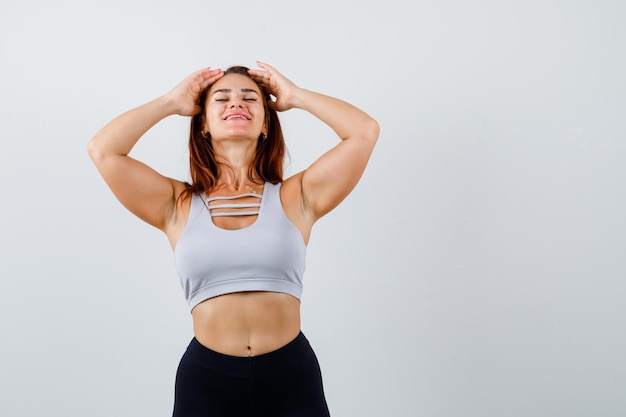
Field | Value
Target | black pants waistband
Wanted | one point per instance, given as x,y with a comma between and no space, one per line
253,366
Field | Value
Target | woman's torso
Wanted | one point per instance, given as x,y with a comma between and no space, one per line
249,322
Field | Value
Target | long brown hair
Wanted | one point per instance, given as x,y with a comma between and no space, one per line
268,159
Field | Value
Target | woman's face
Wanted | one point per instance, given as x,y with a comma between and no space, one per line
234,108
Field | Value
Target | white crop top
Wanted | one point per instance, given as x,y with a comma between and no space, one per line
268,255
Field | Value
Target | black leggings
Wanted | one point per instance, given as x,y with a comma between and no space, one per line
284,383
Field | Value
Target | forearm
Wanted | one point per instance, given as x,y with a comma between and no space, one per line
122,133
345,119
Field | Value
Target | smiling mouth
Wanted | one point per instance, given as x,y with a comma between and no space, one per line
236,117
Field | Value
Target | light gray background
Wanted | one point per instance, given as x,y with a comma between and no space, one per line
477,270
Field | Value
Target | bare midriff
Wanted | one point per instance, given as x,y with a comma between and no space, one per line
247,323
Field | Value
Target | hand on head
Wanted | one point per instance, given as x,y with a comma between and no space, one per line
184,97
276,84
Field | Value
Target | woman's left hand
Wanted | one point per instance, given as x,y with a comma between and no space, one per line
277,85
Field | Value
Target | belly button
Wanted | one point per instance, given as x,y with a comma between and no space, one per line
249,351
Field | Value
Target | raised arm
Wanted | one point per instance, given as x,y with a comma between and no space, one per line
335,174
146,193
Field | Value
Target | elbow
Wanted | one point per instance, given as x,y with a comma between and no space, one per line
95,151
371,130
365,130
92,149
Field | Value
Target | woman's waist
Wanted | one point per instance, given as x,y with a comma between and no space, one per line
247,323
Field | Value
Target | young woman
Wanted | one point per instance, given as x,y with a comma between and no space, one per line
239,231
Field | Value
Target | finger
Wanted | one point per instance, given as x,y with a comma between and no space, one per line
258,74
263,65
206,74
255,76
198,75
212,77
262,80
267,67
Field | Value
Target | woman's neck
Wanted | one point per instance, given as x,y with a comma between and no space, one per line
235,160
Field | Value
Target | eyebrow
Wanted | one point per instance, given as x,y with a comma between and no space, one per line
228,90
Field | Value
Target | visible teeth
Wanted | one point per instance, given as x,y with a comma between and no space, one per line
235,117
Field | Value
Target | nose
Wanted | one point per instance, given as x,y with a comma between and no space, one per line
235,102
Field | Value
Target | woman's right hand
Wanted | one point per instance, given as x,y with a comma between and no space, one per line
184,97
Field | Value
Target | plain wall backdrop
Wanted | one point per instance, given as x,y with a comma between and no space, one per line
478,269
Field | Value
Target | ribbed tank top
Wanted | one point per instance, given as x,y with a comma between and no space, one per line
268,255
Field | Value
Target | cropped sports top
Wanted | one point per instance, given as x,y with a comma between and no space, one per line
268,255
